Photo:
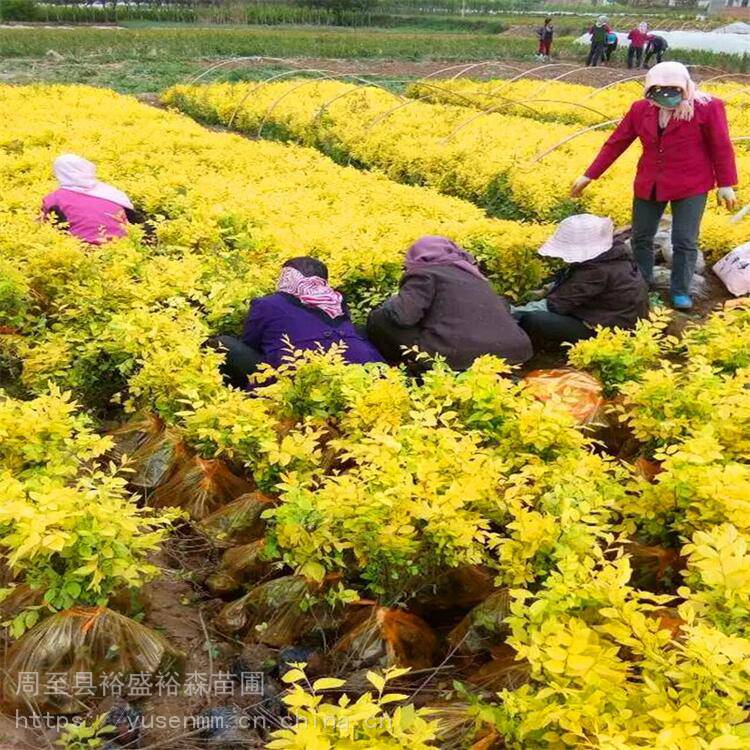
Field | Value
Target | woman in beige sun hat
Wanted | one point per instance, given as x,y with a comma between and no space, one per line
600,285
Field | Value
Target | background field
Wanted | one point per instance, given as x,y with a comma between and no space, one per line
149,59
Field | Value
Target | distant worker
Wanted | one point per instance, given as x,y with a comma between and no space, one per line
545,33
638,39
598,32
686,153
611,45
94,211
657,45
445,306
303,313
600,285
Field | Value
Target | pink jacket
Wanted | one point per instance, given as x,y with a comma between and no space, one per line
638,38
690,158
94,220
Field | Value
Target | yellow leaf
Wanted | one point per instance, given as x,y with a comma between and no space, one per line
328,683
377,680
293,675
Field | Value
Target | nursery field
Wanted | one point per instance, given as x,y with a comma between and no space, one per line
348,557
513,147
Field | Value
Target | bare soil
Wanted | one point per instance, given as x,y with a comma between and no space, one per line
396,70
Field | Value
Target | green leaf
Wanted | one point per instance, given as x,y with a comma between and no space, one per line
313,570
73,588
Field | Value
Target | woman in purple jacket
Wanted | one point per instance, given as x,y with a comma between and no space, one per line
305,313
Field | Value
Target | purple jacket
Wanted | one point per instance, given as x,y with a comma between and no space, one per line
277,315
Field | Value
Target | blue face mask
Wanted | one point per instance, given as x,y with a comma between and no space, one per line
668,97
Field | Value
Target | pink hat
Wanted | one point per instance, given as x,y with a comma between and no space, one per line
580,238
675,74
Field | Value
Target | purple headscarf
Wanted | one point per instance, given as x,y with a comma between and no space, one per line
434,250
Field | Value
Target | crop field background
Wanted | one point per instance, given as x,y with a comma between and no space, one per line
148,58
349,557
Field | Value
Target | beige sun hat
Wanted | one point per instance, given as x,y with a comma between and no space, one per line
580,238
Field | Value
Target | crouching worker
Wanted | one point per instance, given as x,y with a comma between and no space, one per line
94,211
601,285
305,313
446,306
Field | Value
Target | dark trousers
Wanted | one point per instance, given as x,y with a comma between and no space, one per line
544,46
650,53
389,339
635,55
596,53
240,361
686,223
608,50
548,330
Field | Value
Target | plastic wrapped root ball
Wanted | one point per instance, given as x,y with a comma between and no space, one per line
200,487
388,638
73,654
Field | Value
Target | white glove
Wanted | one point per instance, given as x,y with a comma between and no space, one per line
727,196
579,186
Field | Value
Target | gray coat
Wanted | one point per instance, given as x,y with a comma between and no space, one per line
448,311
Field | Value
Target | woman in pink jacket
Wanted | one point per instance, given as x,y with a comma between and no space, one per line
94,211
686,153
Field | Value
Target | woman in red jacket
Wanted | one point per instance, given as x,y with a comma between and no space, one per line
638,38
686,153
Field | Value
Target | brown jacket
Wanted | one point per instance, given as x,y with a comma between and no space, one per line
448,311
608,290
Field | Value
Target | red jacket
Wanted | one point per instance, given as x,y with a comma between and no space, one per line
689,158
638,38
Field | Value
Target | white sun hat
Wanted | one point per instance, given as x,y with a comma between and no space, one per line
580,238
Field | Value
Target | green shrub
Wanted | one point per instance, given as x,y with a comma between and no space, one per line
18,10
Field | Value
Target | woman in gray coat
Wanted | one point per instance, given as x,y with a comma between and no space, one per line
445,306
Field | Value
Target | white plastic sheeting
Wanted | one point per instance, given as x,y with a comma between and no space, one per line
738,27
708,41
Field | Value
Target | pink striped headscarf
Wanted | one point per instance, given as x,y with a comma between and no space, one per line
676,74
311,291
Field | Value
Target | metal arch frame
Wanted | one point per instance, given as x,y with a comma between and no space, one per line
484,63
614,83
321,74
482,113
325,105
570,104
567,139
546,66
324,76
254,58
504,83
412,100
332,75
706,67
544,82
262,83
465,66
726,75
738,86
